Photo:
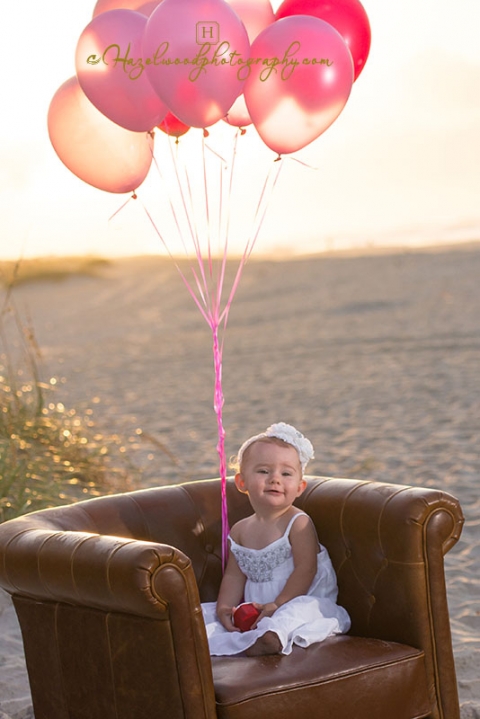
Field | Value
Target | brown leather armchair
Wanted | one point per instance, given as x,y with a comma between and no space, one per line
108,595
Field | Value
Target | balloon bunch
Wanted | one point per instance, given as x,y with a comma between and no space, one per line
178,64
181,64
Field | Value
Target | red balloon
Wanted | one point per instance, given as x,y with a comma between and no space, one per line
171,125
94,148
245,615
346,16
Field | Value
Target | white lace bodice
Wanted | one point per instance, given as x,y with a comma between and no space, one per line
258,564
268,569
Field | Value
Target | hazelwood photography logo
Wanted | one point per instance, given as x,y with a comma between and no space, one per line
212,52
208,32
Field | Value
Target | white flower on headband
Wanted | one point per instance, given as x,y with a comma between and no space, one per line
287,433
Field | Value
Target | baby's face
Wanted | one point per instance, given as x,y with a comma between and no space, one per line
271,474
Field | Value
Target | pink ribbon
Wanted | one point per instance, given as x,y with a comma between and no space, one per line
208,275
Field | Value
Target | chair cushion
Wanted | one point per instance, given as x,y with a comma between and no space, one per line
334,679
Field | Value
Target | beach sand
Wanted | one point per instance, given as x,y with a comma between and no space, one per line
375,357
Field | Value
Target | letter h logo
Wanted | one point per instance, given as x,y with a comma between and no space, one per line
208,32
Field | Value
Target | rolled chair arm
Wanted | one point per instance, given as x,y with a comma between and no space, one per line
387,543
124,577
99,571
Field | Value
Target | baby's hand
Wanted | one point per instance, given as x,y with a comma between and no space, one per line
266,610
225,615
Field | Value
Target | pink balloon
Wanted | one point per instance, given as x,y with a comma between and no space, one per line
346,16
111,71
300,83
238,115
189,45
256,15
93,147
146,8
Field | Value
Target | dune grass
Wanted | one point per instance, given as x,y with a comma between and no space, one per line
49,454
13,273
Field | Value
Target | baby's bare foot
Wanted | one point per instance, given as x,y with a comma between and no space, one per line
268,643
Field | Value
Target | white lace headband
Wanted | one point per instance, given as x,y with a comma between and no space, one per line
288,434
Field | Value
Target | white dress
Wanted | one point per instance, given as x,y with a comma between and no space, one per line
303,620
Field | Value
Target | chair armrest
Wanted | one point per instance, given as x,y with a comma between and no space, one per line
387,544
117,575
99,571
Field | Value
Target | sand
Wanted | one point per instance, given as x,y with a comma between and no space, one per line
374,357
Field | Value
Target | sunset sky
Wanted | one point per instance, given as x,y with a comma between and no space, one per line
401,165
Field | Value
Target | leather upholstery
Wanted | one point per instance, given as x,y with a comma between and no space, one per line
342,677
108,596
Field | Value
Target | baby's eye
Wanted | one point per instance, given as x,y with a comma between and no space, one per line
287,474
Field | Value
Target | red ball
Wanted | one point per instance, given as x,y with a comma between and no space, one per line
245,615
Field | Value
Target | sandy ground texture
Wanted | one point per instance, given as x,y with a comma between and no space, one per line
375,358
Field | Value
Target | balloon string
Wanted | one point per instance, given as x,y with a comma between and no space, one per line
189,212
300,162
214,152
218,352
193,229
201,280
209,284
258,221
223,227
218,405
221,265
189,216
211,314
200,277
172,206
220,228
260,215
177,266
133,196
227,223
207,208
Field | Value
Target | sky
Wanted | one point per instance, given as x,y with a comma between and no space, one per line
400,166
